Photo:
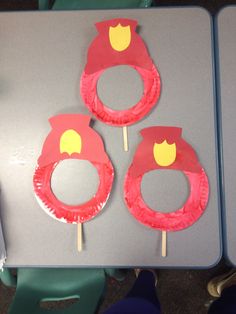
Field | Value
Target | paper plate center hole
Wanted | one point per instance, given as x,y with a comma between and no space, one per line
120,87
74,181
165,190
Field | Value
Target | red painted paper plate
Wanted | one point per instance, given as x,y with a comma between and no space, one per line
118,44
72,138
163,148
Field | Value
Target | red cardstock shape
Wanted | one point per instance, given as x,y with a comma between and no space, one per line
184,159
101,55
92,145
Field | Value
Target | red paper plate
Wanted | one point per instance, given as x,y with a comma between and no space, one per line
163,148
118,44
72,138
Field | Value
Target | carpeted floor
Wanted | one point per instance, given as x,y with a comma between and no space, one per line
180,291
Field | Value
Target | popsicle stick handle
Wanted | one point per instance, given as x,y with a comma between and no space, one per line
163,243
125,138
80,237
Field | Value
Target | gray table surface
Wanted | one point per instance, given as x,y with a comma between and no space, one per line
42,56
226,26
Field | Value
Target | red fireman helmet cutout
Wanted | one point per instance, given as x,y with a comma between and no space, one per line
117,43
72,138
164,148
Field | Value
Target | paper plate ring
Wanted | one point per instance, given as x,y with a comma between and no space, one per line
68,213
173,221
151,93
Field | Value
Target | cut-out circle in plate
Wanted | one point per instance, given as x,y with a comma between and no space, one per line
165,190
74,181
120,87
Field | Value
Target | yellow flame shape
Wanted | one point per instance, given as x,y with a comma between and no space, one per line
120,37
70,142
164,153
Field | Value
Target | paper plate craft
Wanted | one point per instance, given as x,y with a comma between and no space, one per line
164,148
117,43
72,138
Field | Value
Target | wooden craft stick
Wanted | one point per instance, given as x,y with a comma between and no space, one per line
125,138
163,243
80,237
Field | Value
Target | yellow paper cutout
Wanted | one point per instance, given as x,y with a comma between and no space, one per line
120,37
70,142
164,153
